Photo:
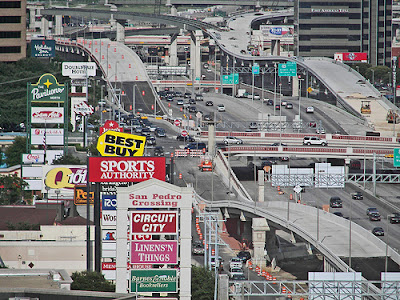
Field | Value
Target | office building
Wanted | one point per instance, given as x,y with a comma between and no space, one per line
12,30
324,28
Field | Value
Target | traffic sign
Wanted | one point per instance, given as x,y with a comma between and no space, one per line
309,89
288,69
184,133
297,189
230,79
256,69
199,115
177,122
396,157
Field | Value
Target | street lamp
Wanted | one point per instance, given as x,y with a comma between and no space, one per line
387,242
373,77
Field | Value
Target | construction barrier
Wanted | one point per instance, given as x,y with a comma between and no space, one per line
291,197
180,175
284,290
264,274
274,279
279,188
213,252
250,265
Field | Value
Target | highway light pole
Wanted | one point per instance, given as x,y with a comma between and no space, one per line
387,246
275,89
394,91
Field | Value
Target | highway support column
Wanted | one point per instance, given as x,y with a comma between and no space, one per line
120,32
44,27
211,139
260,181
173,51
223,287
260,227
59,26
195,53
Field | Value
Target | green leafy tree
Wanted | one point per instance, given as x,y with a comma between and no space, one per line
203,281
11,189
91,281
15,151
67,160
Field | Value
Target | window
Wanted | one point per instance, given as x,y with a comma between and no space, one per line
10,34
10,19
14,49
10,4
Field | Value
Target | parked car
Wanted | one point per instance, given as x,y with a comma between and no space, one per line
221,108
374,216
378,231
187,138
232,140
314,140
310,109
289,105
335,202
357,196
209,103
371,210
159,151
394,218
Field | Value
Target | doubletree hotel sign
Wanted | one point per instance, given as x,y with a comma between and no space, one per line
47,90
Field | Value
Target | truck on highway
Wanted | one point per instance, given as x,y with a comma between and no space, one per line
242,93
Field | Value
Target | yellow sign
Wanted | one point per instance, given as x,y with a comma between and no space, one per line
309,89
113,143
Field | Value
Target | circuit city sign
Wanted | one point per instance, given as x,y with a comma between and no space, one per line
154,222
126,169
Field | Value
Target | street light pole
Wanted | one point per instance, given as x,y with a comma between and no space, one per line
387,246
275,89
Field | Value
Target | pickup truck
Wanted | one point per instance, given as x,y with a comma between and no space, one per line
395,218
235,263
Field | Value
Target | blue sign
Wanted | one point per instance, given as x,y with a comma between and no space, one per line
256,69
43,48
109,202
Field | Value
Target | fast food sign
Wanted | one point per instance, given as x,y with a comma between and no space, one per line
112,143
154,222
126,169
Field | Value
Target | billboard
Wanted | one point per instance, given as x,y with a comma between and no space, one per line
153,281
48,90
154,252
78,69
32,158
110,125
154,222
47,115
351,56
113,143
126,169
64,176
277,32
54,136
43,48
108,202
80,195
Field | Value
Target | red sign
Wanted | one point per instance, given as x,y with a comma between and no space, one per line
154,252
112,266
108,266
184,133
126,169
351,56
177,122
110,125
151,222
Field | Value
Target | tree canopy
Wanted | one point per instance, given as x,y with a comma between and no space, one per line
91,281
14,152
202,283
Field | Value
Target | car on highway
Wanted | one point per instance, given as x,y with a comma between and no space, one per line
238,277
338,213
269,101
207,117
394,218
374,216
151,141
196,146
335,202
159,151
371,210
178,94
378,231
160,132
170,99
192,101
357,196
312,124
277,107
187,95
253,125
197,248
244,256
187,138
221,107
278,144
192,109
209,103
310,109
289,105
179,102
198,97
146,131
235,271
232,140
320,130
283,103
314,140
235,263
256,97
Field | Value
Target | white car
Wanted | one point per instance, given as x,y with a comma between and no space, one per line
232,140
283,103
320,130
310,110
257,97
314,140
179,102
235,271
235,263
221,107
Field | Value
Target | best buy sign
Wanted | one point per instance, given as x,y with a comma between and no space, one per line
113,143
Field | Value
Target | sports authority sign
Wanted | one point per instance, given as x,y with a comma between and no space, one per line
78,69
47,115
114,143
154,222
154,252
47,89
126,169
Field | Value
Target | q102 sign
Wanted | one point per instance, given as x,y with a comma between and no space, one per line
109,202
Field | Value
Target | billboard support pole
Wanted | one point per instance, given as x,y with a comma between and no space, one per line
88,248
97,233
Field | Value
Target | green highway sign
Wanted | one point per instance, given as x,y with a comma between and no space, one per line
396,157
154,281
256,69
230,79
288,69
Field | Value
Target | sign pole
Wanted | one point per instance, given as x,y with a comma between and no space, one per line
88,246
97,233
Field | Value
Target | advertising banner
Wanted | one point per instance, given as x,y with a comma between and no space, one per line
32,158
54,136
109,235
276,32
43,48
47,115
108,202
47,89
154,252
64,176
80,195
109,218
154,222
126,169
78,69
153,281
113,143
157,198
110,125
351,56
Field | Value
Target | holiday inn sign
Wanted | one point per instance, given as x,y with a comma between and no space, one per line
47,90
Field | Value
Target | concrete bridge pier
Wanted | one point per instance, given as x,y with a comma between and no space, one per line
276,47
295,86
195,54
59,29
120,29
174,11
260,228
261,186
173,51
44,27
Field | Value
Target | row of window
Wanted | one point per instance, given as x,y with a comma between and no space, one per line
10,19
350,16
10,34
344,26
303,4
333,47
10,4
309,37
11,49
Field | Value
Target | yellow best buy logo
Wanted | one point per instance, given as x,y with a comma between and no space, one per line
113,143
